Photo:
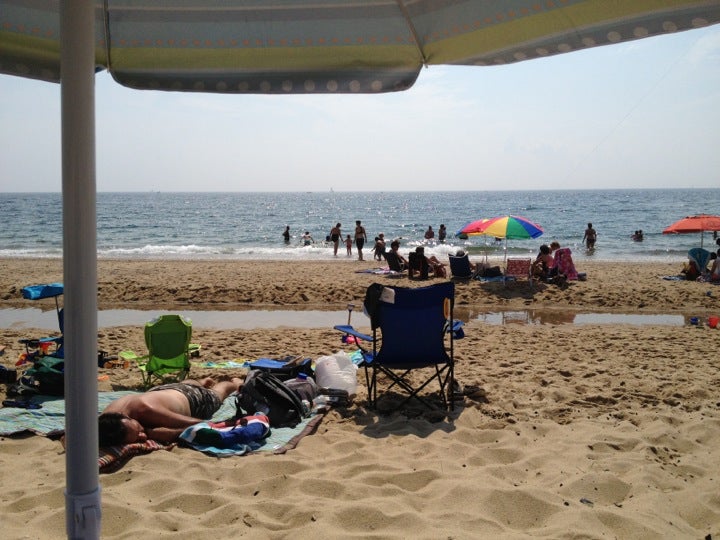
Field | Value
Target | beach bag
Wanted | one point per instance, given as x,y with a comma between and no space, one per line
303,386
336,372
48,372
264,393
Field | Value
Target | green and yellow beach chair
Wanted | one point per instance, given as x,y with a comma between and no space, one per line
169,350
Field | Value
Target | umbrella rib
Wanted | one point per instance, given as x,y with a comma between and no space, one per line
413,31
106,30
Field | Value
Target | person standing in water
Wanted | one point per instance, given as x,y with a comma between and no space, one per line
335,236
590,237
286,234
360,238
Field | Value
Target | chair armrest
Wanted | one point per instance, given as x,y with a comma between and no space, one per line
132,356
347,329
456,329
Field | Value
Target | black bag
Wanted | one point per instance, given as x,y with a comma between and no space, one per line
265,393
49,374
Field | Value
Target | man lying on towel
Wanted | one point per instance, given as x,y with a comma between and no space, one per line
163,412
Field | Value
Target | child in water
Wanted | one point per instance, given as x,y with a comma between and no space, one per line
348,245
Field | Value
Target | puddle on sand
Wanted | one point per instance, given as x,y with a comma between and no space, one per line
249,319
538,317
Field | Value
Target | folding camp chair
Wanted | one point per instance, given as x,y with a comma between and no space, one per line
412,330
168,341
460,266
42,346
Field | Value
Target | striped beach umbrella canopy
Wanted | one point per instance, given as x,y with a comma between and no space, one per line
513,227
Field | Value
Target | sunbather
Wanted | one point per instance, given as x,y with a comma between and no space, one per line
396,262
543,263
433,262
163,412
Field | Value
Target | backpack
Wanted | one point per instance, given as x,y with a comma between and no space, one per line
49,374
263,392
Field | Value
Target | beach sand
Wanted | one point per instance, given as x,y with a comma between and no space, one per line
582,431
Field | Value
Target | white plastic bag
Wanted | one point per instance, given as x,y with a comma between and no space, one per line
336,371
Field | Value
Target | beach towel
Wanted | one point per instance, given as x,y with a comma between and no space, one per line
48,420
381,272
564,264
279,441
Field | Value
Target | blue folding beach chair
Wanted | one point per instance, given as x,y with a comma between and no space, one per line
412,330
33,347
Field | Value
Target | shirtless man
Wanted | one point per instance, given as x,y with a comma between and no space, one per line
162,413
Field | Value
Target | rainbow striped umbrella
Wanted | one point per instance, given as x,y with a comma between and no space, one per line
513,227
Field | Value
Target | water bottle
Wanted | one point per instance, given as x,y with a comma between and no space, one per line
320,402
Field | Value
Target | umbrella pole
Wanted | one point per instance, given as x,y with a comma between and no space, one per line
77,49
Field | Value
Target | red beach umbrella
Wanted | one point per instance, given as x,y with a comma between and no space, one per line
695,224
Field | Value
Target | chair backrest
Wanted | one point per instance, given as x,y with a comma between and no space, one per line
418,265
168,340
460,266
701,257
393,261
518,267
413,325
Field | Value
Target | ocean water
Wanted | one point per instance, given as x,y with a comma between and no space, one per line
170,226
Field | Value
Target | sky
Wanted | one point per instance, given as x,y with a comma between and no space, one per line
643,114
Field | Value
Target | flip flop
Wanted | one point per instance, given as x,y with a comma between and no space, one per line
21,404
21,388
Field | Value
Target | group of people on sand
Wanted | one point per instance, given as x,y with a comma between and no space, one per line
702,266
554,261
419,263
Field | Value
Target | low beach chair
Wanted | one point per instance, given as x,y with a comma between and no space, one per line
460,267
413,331
418,267
168,341
393,261
518,269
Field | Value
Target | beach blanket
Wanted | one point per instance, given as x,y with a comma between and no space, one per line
48,420
381,272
